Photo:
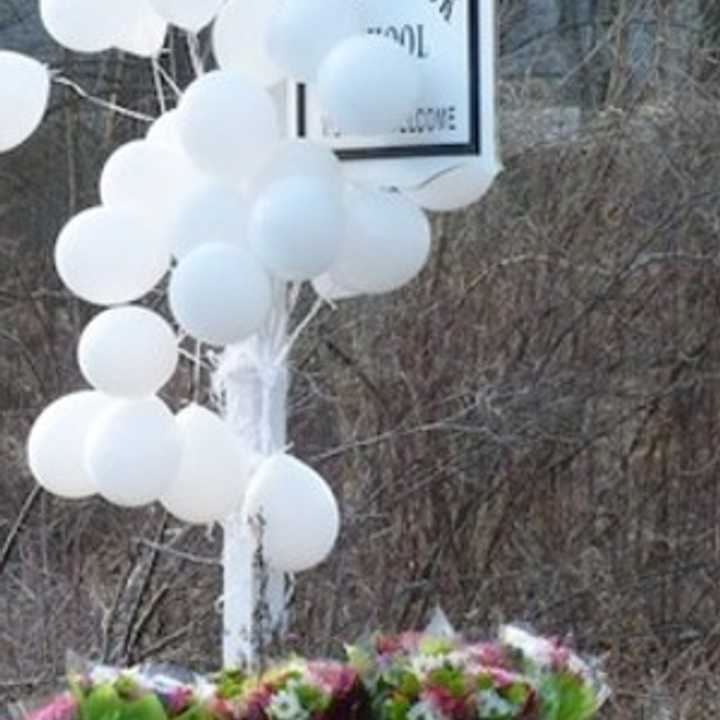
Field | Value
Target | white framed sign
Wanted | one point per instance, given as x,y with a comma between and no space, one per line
454,40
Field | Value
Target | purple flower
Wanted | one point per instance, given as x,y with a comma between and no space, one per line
179,700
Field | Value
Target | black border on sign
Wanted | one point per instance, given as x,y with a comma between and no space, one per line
473,147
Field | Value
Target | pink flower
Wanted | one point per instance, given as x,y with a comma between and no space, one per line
492,654
559,658
178,700
256,703
447,704
222,708
333,678
503,678
388,644
62,708
407,642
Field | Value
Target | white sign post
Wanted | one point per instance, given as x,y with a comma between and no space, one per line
454,122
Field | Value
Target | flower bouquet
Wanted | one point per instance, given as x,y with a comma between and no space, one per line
412,676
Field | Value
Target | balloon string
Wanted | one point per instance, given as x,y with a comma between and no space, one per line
194,50
197,371
159,90
298,331
167,77
105,104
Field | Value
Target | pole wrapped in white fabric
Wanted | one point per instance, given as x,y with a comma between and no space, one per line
251,385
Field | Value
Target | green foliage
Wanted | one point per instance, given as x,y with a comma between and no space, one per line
452,679
312,698
231,683
361,658
434,646
564,697
108,702
395,708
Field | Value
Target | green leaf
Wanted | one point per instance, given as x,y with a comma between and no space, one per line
311,698
395,708
484,682
230,684
517,693
195,712
361,659
127,688
101,703
451,679
409,686
75,684
147,707
567,697
437,646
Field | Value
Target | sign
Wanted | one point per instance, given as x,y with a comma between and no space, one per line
454,40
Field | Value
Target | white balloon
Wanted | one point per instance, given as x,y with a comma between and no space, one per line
298,157
145,35
228,125
240,39
24,94
220,294
368,85
109,257
214,473
329,290
56,444
296,227
191,15
86,25
147,179
387,243
213,213
457,188
297,512
133,453
302,32
165,132
128,352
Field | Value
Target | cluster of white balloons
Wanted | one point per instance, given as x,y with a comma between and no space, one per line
135,26
214,186
217,200
135,451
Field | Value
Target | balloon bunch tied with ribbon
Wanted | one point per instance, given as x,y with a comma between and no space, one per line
215,197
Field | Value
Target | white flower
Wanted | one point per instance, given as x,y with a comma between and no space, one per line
103,674
423,711
456,659
286,706
423,665
491,705
538,649
205,690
